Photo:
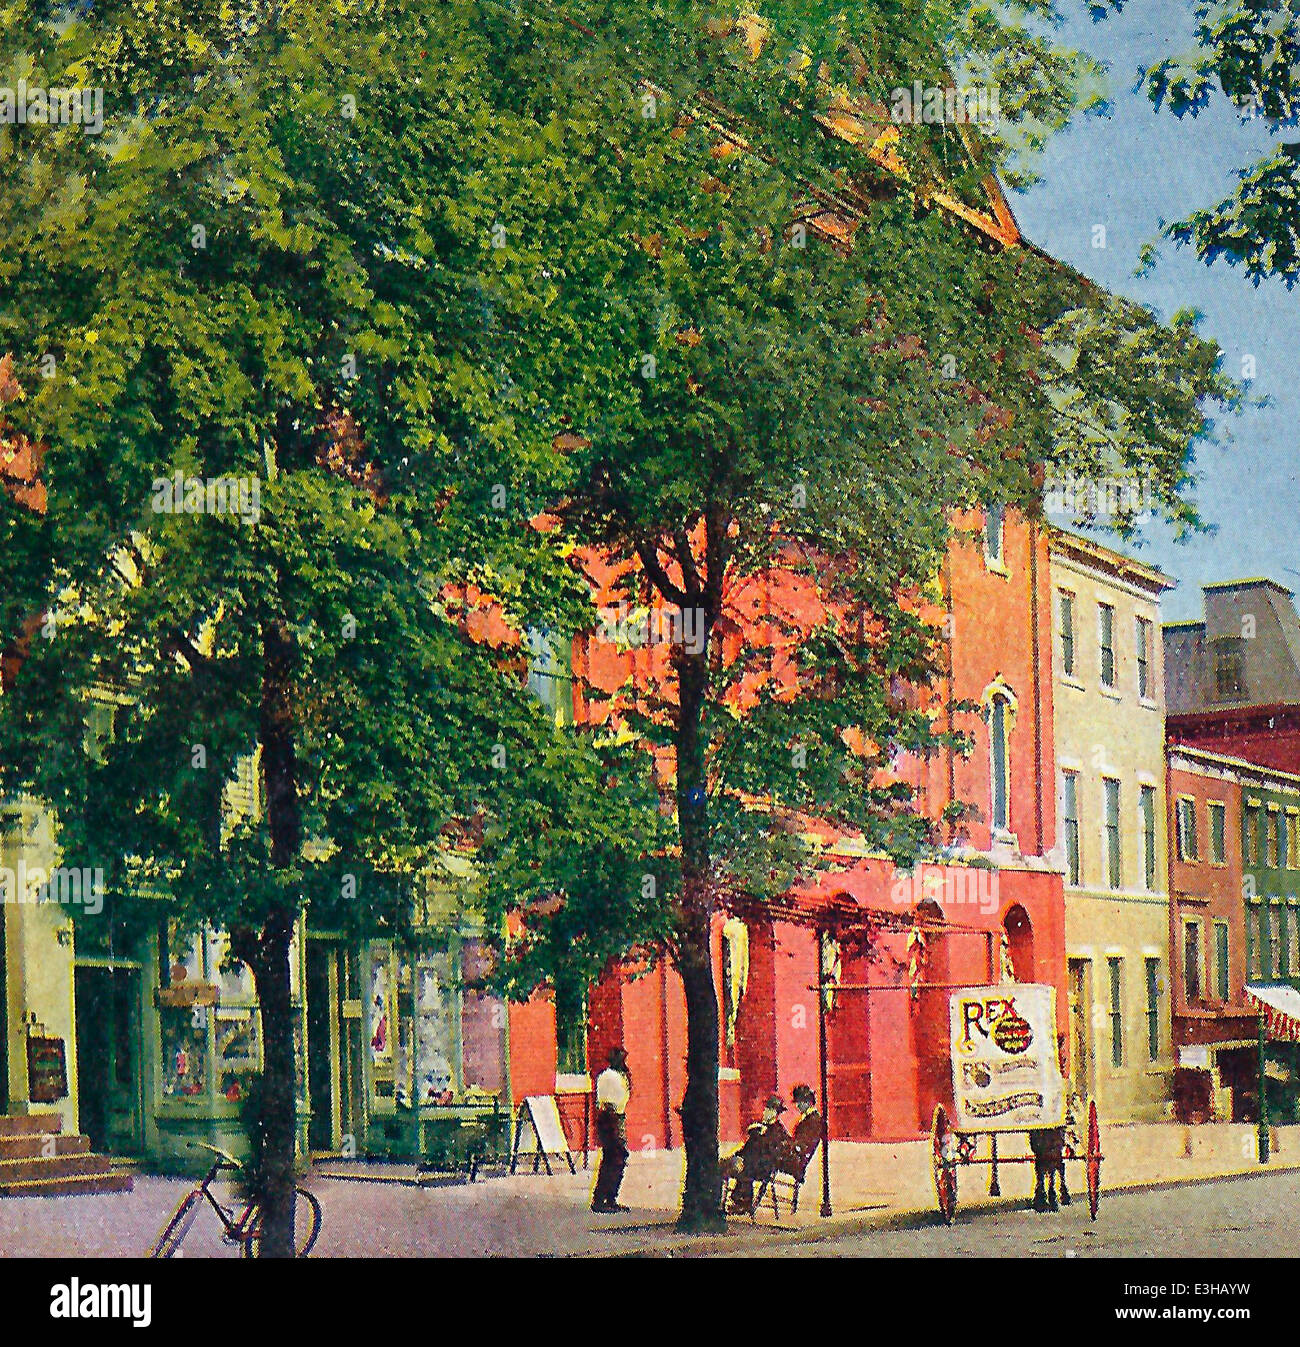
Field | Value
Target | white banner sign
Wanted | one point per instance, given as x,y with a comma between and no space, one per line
1005,1072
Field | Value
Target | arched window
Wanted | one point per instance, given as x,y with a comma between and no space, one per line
999,704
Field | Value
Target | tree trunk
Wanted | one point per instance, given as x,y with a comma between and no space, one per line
702,1192
278,1121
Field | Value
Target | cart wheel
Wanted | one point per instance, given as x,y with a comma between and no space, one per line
1093,1160
945,1165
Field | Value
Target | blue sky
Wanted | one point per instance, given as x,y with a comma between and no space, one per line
1130,171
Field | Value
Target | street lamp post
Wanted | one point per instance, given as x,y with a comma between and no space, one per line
1263,1097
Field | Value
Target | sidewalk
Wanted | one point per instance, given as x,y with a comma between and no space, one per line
384,1212
870,1185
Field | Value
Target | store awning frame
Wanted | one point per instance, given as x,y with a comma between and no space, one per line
1279,1007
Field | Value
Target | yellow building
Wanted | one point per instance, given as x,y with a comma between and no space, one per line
1108,708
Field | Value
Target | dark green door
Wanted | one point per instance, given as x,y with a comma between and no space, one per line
320,1061
108,1058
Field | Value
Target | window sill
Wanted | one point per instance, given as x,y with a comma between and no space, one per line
1148,703
1113,693
572,1082
996,567
1070,681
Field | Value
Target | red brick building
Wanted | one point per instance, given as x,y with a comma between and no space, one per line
894,944
1213,1029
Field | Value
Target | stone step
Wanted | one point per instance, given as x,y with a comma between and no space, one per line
54,1167
68,1185
36,1146
29,1124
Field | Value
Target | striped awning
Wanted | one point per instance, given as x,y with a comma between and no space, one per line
1280,1007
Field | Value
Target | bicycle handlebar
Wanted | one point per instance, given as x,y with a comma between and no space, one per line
225,1156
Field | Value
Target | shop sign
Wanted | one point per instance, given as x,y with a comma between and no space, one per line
1006,1073
188,994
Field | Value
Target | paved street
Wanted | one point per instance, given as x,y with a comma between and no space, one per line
529,1216
1227,1218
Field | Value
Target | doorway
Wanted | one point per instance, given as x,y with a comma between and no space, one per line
109,1076
1081,1055
333,1046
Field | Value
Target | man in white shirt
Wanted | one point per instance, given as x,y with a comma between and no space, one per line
613,1090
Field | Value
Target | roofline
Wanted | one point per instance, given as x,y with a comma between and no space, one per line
1248,583
1191,622
1213,759
1127,567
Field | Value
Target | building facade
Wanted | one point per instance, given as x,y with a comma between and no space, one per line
1234,677
987,907
1214,1029
1108,702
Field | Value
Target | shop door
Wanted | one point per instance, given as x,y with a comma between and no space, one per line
322,1061
1081,1055
109,1079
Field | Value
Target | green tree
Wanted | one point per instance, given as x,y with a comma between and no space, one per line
742,397
1248,52
269,270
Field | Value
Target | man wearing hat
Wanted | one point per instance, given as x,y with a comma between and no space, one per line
613,1090
758,1158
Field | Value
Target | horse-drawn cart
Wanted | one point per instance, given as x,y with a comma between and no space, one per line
1006,1078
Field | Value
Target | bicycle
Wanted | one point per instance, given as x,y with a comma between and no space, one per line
245,1228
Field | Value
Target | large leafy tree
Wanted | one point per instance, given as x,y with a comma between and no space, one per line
271,269
781,359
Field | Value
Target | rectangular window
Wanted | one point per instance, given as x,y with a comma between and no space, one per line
1219,834
1250,835
993,518
1192,961
1186,822
1222,967
1254,943
1274,941
1144,657
998,751
1285,826
1292,840
1229,668
1070,818
550,672
1110,817
1067,633
1116,970
1293,940
1106,625
1147,814
1153,1009
1272,848
570,1030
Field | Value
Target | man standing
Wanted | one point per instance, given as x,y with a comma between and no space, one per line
613,1090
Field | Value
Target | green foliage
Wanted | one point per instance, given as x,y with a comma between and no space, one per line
1248,51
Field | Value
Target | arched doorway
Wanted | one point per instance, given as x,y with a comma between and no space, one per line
1020,943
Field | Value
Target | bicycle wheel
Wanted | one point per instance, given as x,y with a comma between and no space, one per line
306,1227
177,1228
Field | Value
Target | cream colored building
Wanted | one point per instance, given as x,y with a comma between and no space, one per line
1109,726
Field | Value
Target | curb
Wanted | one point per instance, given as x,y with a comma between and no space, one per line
749,1239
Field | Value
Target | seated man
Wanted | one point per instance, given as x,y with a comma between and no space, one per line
807,1133
759,1157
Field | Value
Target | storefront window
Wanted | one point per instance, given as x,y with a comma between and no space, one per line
238,1050
381,1017
184,1052
432,1041
436,1006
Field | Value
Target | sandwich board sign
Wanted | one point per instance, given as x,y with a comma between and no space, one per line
1006,1074
539,1116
